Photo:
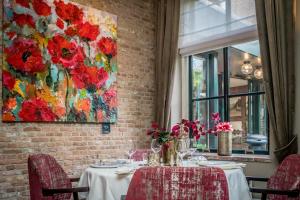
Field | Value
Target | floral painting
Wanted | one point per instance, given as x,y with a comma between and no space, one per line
59,62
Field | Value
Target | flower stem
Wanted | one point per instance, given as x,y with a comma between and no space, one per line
67,93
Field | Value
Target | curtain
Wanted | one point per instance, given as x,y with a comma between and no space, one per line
168,12
275,23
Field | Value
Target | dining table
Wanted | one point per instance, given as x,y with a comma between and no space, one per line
112,182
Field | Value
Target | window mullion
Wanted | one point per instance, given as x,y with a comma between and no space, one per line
226,84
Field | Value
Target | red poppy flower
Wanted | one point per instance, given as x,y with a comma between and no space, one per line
64,52
23,19
71,31
85,77
41,8
8,80
24,3
108,46
88,31
68,12
11,35
109,95
60,24
25,55
36,110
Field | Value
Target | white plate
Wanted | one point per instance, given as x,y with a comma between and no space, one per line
217,162
104,166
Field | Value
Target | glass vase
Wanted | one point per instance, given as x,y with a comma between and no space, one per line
168,153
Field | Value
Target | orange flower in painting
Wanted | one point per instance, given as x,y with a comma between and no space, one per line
10,104
8,117
68,12
83,105
60,111
41,8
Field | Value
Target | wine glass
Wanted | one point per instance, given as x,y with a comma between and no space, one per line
192,146
131,151
155,146
182,148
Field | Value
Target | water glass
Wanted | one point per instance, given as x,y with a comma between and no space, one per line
192,146
182,148
155,146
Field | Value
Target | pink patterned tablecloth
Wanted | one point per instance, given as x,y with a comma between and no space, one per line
178,183
106,184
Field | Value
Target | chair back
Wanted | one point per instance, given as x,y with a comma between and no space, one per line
286,177
180,183
138,155
45,172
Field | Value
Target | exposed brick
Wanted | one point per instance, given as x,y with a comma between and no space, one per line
76,146
31,128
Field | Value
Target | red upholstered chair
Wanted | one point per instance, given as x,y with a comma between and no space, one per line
284,184
48,180
138,155
178,183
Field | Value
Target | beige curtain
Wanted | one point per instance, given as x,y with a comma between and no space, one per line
275,22
168,12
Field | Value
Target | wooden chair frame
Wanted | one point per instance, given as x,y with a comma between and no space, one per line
264,191
51,192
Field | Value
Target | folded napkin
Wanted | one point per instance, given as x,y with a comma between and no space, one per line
124,170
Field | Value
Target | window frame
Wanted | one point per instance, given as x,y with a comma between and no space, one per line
226,96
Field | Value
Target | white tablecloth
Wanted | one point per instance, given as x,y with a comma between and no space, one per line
105,184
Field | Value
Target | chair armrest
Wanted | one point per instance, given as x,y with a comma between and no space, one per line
51,192
74,179
252,178
289,193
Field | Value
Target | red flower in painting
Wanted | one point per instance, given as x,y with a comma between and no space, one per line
22,19
85,77
60,24
109,95
71,31
11,35
24,3
41,8
64,52
68,12
36,110
8,80
108,46
25,55
88,31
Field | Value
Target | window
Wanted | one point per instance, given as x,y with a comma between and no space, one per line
215,23
229,81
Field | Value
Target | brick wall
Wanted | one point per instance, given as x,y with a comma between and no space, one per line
75,146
